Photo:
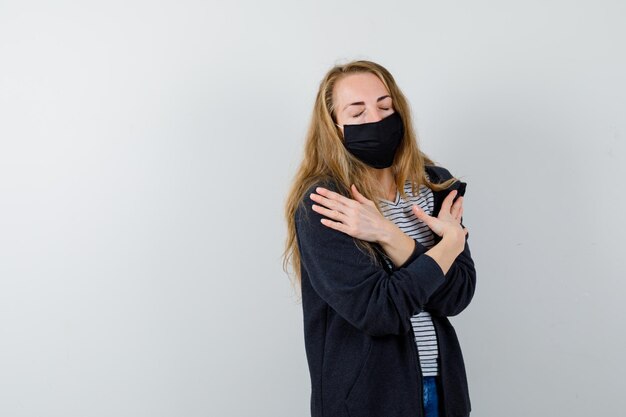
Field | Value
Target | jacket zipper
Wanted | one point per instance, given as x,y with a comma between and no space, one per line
416,357
440,371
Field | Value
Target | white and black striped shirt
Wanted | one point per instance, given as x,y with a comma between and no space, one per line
399,212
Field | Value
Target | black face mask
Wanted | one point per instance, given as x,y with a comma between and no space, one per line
375,143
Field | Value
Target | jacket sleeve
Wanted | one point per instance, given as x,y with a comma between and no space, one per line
458,289
367,296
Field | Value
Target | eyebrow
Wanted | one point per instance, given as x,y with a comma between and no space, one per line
362,103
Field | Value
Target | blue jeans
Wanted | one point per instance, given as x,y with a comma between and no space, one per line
431,397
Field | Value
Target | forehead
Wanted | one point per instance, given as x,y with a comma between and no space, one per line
363,86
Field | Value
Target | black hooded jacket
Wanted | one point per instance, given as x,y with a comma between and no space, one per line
359,340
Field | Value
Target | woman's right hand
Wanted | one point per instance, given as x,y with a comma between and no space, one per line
447,224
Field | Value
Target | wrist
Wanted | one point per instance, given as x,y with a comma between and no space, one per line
386,233
398,246
455,240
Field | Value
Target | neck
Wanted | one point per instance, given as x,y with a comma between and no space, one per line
387,182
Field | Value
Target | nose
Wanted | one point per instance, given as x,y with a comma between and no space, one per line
373,115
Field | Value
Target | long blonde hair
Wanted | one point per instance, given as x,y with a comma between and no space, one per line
326,158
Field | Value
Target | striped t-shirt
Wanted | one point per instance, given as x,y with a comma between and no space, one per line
400,213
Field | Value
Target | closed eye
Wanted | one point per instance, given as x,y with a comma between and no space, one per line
382,108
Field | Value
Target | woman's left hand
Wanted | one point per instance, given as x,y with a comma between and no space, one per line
356,217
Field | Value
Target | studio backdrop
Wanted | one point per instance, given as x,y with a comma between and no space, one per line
146,150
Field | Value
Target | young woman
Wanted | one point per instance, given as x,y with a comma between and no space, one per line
375,237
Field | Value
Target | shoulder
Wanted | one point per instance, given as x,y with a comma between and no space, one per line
438,174
304,210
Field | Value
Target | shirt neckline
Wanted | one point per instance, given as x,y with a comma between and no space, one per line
392,203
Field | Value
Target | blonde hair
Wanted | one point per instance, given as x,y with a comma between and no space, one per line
326,158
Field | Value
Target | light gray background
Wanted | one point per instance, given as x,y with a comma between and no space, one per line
146,151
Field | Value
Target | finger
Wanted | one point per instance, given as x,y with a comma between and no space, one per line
460,215
457,207
334,225
333,205
430,221
447,202
331,195
335,215
421,214
358,196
